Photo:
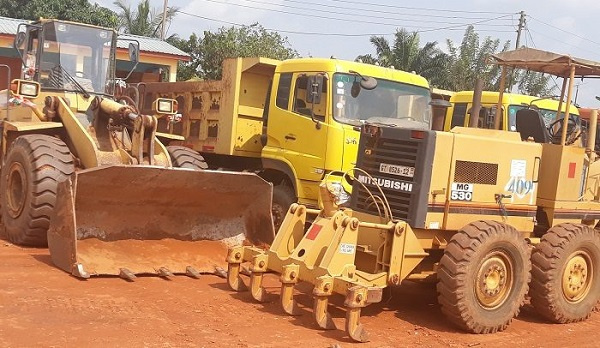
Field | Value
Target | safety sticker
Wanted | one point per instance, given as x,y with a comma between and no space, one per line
313,232
518,168
346,248
461,192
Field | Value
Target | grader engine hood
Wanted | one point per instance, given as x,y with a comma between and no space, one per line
399,161
127,220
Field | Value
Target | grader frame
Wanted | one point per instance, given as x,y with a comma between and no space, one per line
357,254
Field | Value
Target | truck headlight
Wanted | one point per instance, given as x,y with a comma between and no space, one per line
29,89
342,197
166,106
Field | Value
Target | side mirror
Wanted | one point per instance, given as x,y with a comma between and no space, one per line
440,103
134,52
368,83
314,89
19,40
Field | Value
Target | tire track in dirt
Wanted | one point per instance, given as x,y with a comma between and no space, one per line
43,306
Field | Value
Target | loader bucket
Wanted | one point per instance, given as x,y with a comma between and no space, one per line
128,220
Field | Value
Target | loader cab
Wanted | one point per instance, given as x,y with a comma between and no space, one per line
68,57
315,111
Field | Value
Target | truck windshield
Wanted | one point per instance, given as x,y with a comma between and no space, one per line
392,103
76,57
548,115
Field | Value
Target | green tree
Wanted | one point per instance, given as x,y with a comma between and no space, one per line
76,10
144,21
469,61
534,83
209,51
406,54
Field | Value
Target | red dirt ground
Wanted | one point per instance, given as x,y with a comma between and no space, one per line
41,305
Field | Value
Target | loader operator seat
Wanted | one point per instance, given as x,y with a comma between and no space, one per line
530,123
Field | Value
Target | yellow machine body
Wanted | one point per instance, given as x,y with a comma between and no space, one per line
258,116
459,113
100,188
489,214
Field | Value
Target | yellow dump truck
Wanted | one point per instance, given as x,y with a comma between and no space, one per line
459,113
490,215
85,172
292,121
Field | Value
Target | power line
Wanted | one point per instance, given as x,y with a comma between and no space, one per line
286,31
456,26
565,31
531,37
418,8
379,17
331,34
562,42
366,10
355,20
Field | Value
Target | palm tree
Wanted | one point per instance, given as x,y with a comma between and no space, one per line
406,54
469,61
145,21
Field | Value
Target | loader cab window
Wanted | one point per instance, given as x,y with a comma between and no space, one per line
487,117
76,57
548,115
29,51
301,104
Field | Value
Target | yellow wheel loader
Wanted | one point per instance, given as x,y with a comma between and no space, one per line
84,172
489,215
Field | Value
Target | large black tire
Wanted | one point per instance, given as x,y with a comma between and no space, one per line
565,283
32,170
283,197
183,157
483,276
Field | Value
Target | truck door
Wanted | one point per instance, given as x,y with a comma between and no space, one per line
301,139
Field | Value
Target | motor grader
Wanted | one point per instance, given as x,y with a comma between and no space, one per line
84,172
489,215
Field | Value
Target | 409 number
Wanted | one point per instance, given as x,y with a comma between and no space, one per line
519,186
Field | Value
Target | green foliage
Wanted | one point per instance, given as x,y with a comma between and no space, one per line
209,51
469,61
144,21
456,70
534,83
406,54
74,10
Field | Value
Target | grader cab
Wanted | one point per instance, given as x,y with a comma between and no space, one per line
85,172
489,215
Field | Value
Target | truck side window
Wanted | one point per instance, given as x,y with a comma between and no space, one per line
300,102
458,115
283,90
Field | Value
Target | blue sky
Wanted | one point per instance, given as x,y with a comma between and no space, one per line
554,25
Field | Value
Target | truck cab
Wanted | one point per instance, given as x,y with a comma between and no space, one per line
316,108
293,122
459,113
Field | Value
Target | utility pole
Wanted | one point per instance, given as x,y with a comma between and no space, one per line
519,29
164,20
518,42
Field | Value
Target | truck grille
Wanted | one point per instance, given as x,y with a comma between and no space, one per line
404,190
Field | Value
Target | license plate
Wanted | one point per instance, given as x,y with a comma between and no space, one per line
397,170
